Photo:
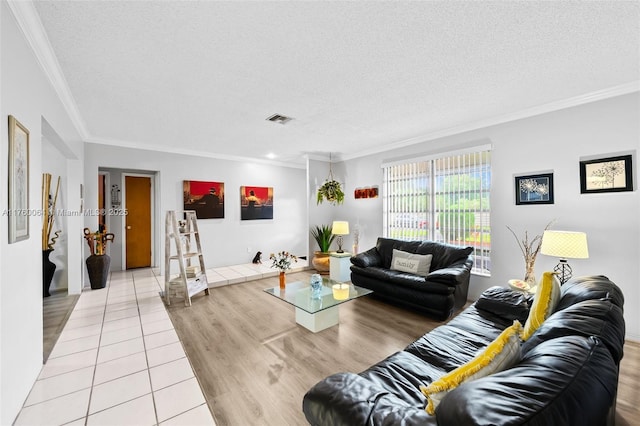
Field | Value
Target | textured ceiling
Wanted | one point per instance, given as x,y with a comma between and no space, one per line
356,77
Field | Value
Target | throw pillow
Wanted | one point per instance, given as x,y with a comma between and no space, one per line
544,303
417,264
501,354
508,304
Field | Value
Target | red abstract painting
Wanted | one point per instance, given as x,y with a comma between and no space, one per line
206,198
256,202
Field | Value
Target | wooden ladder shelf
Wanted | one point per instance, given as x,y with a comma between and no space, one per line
179,246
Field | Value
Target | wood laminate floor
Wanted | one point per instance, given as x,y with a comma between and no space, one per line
254,363
55,312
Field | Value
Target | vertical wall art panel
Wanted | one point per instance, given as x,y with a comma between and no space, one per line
18,181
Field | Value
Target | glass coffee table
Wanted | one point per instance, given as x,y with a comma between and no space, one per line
317,312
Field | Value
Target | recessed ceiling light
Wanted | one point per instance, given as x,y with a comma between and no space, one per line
271,156
279,118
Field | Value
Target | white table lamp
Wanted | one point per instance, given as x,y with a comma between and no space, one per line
340,228
565,245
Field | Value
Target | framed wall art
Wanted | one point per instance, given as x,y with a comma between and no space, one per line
205,198
256,202
18,181
534,189
611,174
369,192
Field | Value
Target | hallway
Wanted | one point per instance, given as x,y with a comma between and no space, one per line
118,361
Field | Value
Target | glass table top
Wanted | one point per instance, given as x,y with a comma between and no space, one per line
332,293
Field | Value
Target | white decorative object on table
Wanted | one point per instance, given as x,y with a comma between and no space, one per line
340,291
520,285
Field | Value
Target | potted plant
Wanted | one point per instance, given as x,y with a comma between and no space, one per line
282,262
323,236
331,191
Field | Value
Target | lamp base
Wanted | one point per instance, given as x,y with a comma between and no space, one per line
340,244
563,270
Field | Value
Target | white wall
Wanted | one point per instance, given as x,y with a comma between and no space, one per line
27,95
225,241
554,141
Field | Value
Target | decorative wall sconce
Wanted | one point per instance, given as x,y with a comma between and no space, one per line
115,195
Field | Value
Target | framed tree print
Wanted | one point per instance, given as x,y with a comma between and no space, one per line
534,189
612,174
18,181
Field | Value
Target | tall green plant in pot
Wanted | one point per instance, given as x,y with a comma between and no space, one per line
323,236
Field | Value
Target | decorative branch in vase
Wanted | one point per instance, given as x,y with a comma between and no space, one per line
99,261
356,239
530,249
49,212
48,221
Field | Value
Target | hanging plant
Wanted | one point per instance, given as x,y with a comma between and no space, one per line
331,190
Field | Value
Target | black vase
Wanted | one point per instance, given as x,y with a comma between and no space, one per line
98,269
48,268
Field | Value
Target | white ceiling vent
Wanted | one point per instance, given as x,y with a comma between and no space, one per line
281,119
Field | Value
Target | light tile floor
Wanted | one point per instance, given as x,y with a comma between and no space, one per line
119,361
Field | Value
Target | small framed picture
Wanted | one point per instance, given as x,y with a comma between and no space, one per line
18,181
612,174
534,189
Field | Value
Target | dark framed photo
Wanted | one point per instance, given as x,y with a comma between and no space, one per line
206,198
612,174
534,189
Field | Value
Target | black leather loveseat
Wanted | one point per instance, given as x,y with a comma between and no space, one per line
438,293
567,374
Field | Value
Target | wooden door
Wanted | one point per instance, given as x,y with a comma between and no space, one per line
138,221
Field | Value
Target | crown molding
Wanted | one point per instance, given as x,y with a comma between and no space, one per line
324,156
190,152
623,89
29,22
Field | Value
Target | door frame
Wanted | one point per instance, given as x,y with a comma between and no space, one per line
154,249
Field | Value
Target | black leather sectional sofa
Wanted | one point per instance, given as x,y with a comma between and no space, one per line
443,290
567,373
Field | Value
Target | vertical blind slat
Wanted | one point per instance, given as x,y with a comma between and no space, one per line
444,199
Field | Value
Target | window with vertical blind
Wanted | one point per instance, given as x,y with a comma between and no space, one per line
442,198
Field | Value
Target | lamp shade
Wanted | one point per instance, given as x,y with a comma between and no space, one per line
565,244
340,227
